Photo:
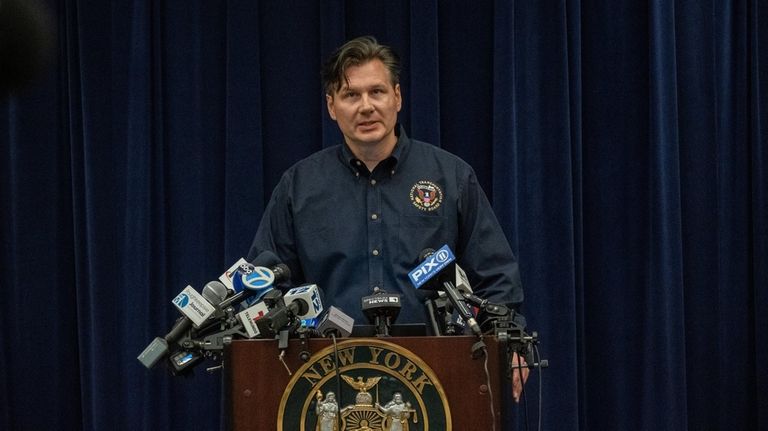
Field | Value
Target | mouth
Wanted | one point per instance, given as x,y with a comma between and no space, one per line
367,124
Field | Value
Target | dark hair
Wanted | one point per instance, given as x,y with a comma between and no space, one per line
354,53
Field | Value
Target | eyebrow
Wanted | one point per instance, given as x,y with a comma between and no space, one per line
347,87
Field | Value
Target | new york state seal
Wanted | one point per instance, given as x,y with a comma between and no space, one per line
372,385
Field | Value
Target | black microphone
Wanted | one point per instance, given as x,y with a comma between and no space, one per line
381,309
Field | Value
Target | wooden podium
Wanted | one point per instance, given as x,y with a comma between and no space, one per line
256,379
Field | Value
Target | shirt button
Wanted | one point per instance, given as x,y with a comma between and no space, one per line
357,162
374,216
373,182
375,252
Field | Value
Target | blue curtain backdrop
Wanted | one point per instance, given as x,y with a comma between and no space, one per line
622,144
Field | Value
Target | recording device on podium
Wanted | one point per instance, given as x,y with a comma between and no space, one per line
381,309
210,320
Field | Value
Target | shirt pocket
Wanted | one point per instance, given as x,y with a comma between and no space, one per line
417,233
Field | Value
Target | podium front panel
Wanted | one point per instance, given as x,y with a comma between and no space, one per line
256,380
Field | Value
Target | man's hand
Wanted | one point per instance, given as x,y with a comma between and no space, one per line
519,375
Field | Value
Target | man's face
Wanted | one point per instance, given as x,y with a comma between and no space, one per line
366,106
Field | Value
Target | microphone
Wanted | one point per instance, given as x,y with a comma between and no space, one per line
196,309
304,301
229,274
299,303
215,292
335,322
251,315
193,306
252,275
215,295
254,280
438,270
196,312
381,309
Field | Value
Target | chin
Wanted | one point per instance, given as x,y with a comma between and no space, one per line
369,138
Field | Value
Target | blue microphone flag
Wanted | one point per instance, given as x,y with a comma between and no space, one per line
431,266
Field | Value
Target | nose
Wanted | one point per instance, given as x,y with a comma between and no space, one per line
365,104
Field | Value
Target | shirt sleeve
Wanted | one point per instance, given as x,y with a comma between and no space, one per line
484,252
276,232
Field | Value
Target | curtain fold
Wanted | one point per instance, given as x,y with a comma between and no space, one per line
758,96
622,145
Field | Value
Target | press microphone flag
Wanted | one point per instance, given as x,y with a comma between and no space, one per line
431,266
193,305
229,274
462,282
336,322
251,315
255,281
309,305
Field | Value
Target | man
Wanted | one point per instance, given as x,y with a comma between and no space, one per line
356,217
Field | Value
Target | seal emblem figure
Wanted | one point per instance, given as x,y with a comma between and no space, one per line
326,411
397,413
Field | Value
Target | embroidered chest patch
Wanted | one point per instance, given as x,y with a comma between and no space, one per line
426,195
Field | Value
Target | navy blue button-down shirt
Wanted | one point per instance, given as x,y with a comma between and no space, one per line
349,230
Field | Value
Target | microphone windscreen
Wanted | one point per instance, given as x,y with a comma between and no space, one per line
215,292
426,253
282,273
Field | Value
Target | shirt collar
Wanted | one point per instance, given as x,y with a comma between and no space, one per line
398,153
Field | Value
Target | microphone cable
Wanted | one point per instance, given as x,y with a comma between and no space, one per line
338,380
488,384
540,365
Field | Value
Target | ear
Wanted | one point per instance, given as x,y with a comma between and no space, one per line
398,97
331,108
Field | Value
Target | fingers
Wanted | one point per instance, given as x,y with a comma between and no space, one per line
520,373
517,386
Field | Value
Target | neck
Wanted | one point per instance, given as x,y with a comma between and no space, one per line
372,154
